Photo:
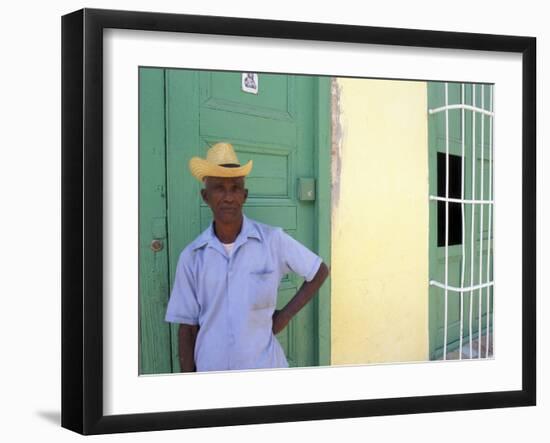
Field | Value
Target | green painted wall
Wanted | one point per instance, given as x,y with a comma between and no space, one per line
153,276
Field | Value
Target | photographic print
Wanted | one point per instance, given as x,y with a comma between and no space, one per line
393,192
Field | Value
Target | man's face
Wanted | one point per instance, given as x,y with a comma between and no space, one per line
226,197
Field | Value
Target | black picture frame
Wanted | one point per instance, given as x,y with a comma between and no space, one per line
82,218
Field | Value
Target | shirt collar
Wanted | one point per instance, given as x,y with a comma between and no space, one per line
249,229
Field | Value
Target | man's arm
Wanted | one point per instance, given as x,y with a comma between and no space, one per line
303,296
187,336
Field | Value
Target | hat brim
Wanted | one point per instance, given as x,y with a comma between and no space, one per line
201,168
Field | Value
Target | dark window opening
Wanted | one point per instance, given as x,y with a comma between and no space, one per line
455,211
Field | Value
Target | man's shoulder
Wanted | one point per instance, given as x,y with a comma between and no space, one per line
197,243
265,231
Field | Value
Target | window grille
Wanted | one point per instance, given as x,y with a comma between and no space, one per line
475,276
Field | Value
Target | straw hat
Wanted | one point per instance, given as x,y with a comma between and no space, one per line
221,161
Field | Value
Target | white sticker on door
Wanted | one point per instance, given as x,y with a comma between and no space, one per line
249,82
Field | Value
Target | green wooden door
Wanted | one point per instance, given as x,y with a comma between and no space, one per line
276,128
468,243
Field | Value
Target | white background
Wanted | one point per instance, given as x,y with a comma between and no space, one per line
30,221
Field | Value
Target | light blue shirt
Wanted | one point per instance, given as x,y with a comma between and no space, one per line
232,297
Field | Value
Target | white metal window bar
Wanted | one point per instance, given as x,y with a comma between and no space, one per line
481,202
480,275
446,217
490,209
461,106
461,289
461,200
472,246
462,264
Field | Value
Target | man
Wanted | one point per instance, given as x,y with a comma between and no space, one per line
225,290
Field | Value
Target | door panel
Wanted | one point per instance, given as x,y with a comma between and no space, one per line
274,128
222,91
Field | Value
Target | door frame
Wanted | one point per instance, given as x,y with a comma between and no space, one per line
323,143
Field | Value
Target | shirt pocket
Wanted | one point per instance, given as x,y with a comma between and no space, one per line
262,291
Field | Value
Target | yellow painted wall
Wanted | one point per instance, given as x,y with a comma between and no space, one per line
379,222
